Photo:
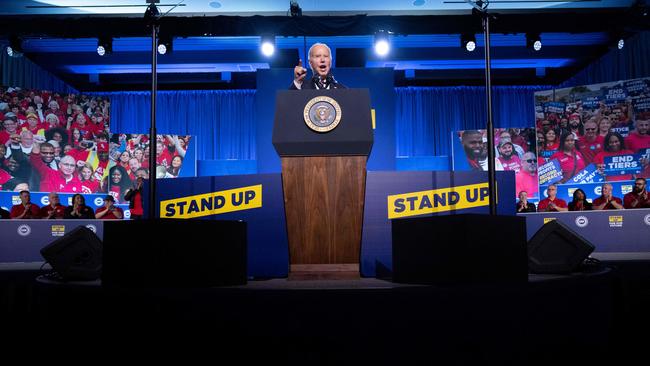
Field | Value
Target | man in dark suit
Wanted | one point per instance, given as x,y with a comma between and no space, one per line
320,62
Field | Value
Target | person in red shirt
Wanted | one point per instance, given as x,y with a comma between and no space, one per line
62,180
571,160
54,210
25,209
639,197
639,138
551,144
33,125
507,156
88,182
614,146
590,143
10,127
109,211
604,125
607,201
134,196
552,203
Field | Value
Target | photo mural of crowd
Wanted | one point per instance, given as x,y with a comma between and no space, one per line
52,142
595,136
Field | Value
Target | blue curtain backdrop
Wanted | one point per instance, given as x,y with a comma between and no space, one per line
222,120
425,117
21,72
629,63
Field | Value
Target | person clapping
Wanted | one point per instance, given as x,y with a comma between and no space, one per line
79,210
109,211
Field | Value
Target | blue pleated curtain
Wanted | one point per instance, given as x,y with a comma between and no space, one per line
21,72
425,117
223,120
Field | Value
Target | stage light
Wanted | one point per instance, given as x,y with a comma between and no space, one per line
267,45
165,45
15,48
534,41
468,41
382,44
294,9
104,46
620,44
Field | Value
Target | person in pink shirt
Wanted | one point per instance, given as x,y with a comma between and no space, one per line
62,180
507,156
590,144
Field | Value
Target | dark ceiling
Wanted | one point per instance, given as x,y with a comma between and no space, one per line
223,51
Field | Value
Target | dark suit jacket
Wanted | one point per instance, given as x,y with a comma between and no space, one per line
309,84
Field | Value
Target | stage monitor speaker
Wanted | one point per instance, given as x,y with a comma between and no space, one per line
463,248
557,249
174,253
75,256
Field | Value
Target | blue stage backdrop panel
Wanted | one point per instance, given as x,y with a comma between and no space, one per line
256,199
608,231
402,194
382,98
22,240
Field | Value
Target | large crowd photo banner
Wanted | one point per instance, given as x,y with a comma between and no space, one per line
60,142
515,150
593,134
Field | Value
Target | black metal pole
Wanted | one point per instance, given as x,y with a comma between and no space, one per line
152,129
490,127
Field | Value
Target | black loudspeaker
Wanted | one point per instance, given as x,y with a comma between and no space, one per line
75,256
557,249
459,248
174,253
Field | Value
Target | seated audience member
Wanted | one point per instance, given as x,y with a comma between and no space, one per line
25,209
580,202
54,210
639,197
109,211
607,201
552,203
523,205
79,210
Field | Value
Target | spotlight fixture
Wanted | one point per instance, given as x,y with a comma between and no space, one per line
104,45
382,43
294,9
468,42
267,45
620,44
534,41
15,48
165,44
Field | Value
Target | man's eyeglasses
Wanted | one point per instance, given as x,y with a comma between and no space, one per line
590,129
68,165
531,161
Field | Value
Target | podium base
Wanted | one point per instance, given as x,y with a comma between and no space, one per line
316,272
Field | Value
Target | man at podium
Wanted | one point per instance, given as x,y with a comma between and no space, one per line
320,62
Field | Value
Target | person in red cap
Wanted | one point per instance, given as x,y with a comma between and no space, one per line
109,211
33,125
575,125
102,167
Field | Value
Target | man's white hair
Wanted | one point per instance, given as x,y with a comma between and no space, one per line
312,47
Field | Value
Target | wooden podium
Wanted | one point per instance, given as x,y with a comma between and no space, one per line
323,178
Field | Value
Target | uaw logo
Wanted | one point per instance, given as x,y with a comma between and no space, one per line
99,201
616,221
92,228
582,221
646,219
58,230
24,230
45,200
322,114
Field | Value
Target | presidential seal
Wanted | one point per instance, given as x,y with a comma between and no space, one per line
322,114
